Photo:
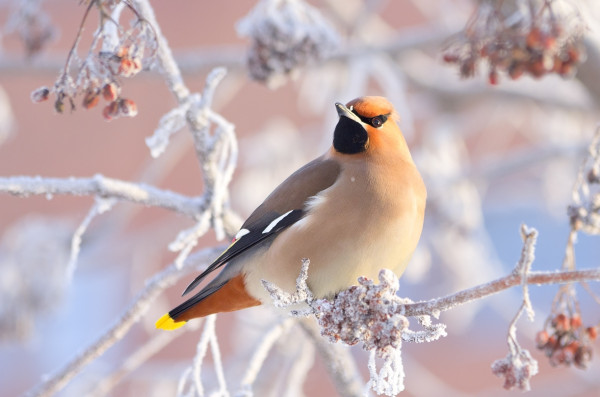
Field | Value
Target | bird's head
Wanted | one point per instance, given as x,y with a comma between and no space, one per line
366,124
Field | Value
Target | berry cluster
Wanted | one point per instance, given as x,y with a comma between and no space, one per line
516,369
99,73
117,106
538,44
566,341
365,312
286,35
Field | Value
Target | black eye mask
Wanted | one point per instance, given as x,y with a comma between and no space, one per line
376,121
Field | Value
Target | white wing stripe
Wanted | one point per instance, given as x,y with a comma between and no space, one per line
241,233
275,222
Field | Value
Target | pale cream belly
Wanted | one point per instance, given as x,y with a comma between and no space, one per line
335,262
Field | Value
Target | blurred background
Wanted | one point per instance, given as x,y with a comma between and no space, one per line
492,156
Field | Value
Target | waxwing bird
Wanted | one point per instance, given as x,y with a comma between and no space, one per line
353,211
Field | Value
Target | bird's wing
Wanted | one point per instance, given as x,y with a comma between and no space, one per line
283,207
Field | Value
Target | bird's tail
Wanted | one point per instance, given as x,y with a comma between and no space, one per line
218,296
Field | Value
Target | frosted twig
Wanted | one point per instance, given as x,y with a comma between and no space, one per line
302,294
100,206
101,186
164,57
211,153
201,349
218,363
523,267
260,354
338,360
436,306
302,363
208,338
136,309
138,357
187,239
169,124
389,380
585,208
518,366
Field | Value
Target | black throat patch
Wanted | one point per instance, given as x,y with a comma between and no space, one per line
349,136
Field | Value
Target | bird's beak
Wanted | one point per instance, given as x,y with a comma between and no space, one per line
345,112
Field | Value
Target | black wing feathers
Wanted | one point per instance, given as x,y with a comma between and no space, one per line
256,235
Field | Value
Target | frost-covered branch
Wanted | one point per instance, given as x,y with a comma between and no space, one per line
366,313
217,153
100,206
436,306
375,316
518,366
164,57
137,358
101,186
338,360
136,309
260,354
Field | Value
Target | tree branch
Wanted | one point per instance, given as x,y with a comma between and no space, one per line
435,306
101,186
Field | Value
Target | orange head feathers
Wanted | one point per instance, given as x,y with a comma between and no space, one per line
368,125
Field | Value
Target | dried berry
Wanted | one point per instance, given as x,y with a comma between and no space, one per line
583,356
126,67
561,322
111,110
110,91
40,95
592,332
127,107
91,98
541,339
59,105
575,321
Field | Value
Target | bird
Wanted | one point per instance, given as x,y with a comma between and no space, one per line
352,211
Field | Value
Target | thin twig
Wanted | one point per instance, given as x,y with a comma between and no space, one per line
99,207
136,309
158,341
338,360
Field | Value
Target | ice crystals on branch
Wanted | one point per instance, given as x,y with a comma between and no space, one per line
516,369
369,313
302,295
286,35
518,366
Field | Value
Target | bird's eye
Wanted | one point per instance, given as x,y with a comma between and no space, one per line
376,122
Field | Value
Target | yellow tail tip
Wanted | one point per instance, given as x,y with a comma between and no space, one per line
167,323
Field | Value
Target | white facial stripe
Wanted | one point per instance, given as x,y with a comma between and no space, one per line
241,233
275,222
